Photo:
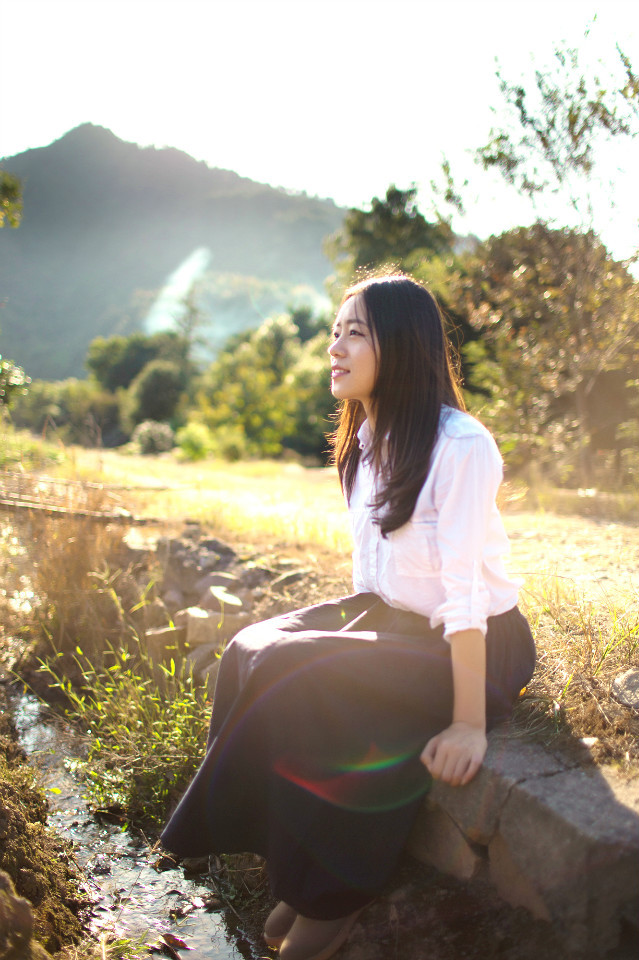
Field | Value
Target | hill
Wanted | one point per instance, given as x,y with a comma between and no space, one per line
106,226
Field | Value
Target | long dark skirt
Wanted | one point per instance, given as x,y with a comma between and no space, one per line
318,722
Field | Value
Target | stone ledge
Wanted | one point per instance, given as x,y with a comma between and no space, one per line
555,837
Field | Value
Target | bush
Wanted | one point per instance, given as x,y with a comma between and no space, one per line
195,441
155,393
153,437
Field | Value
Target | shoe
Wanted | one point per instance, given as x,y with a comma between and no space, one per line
316,939
278,923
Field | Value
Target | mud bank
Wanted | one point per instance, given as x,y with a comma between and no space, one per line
40,865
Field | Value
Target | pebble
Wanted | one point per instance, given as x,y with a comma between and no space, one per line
625,688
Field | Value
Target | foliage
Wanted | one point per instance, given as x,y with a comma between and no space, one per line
77,411
249,387
558,126
558,319
116,361
13,381
315,406
194,440
268,392
389,234
10,200
150,436
307,323
147,724
155,392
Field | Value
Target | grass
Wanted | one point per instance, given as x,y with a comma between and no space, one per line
582,646
91,611
20,449
274,500
144,735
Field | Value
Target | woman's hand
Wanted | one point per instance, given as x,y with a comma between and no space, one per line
456,754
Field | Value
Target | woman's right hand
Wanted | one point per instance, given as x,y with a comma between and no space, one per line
456,754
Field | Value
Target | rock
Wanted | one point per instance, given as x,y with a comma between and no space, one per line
201,626
225,550
511,884
231,623
155,614
476,807
164,643
173,598
195,865
219,599
254,576
287,579
438,840
205,664
574,836
625,688
217,578
16,925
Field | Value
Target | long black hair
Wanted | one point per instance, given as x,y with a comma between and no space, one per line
415,377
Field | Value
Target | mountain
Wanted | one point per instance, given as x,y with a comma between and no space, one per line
108,224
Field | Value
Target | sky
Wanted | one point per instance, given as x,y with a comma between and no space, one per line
337,98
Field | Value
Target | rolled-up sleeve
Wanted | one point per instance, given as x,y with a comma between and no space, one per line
469,474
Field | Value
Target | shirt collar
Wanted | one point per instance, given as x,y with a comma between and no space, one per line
365,435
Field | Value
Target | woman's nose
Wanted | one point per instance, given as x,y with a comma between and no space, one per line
335,347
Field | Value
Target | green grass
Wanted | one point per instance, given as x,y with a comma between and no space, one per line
20,449
145,727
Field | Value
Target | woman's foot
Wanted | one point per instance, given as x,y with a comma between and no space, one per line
316,939
278,923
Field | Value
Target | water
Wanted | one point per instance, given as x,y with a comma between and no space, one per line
132,899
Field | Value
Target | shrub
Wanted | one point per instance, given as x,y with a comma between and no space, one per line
153,437
195,441
155,392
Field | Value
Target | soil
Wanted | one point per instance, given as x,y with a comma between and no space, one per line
40,864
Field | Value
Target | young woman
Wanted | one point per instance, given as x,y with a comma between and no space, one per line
330,722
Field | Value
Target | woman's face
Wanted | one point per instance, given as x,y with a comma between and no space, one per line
353,353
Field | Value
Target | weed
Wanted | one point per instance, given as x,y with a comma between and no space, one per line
145,725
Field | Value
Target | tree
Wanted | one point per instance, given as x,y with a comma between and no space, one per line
388,234
559,318
566,308
116,361
559,126
79,411
250,387
156,392
10,200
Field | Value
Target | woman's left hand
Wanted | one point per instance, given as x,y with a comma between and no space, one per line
456,754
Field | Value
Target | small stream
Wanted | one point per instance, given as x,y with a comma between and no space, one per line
132,899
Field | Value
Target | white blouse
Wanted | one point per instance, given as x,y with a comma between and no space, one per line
446,562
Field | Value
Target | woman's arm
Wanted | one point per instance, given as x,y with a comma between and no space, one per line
456,754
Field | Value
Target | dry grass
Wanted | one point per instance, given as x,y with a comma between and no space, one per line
583,646
579,574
